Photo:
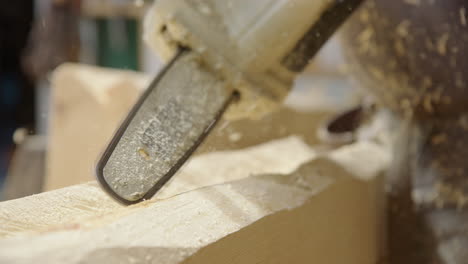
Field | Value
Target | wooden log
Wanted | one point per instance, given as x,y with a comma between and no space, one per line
300,208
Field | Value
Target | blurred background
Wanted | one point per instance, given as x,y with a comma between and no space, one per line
38,36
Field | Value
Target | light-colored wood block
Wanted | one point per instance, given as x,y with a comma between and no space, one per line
279,202
87,105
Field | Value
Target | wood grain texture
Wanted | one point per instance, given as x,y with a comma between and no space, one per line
300,207
62,206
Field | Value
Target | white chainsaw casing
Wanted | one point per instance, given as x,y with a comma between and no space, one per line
243,40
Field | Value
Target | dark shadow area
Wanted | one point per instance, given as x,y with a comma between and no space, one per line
16,88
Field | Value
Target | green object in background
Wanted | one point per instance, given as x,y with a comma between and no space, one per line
118,43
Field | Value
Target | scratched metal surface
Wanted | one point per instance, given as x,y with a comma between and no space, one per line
181,106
